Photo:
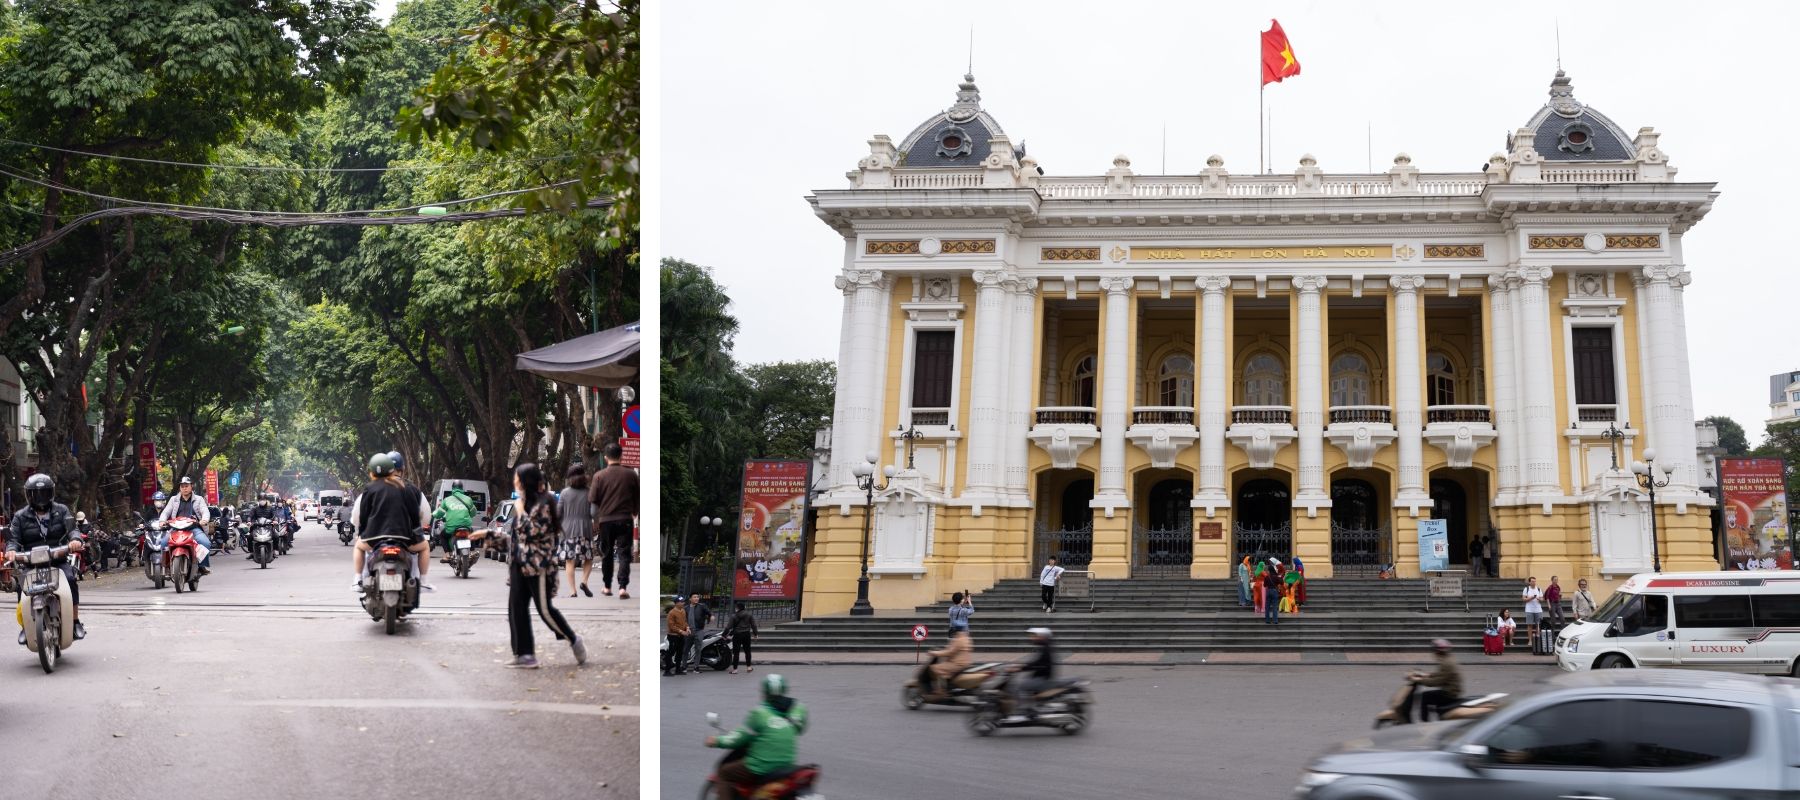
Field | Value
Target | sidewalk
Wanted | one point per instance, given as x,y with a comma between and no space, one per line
1157,658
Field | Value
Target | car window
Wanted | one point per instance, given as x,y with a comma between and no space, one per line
1573,734
1647,613
1776,610
1712,611
1675,735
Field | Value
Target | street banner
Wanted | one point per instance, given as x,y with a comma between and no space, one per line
147,465
212,487
768,533
1434,545
1753,492
628,452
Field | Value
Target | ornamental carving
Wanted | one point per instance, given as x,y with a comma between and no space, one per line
1589,284
953,246
1456,251
1633,241
876,247
1069,254
1559,242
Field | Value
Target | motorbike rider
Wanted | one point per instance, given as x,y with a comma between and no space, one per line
389,506
769,735
193,506
97,556
262,512
47,523
1039,672
457,512
956,656
1441,687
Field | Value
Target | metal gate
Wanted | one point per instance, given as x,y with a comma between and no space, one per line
1262,542
1359,552
1161,552
1073,547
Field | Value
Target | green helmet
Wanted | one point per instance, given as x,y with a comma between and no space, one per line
381,465
774,686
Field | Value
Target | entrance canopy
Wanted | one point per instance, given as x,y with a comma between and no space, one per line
606,360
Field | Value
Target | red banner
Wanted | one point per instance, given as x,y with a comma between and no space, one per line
629,450
147,464
212,487
1753,496
769,530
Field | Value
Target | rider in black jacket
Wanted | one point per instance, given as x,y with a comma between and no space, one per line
47,523
1038,672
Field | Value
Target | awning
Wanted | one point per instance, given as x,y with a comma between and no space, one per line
607,360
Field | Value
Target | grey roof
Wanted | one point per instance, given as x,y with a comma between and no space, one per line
1606,140
1778,384
921,148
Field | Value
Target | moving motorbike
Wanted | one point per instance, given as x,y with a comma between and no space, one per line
345,531
287,536
462,553
262,545
391,588
964,689
49,608
181,561
1464,708
798,782
150,552
1065,705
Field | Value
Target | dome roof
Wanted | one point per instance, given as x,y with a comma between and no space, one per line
956,137
1566,130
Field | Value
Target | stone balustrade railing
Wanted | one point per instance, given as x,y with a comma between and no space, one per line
1082,187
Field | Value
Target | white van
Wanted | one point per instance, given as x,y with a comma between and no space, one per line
1722,621
476,490
331,501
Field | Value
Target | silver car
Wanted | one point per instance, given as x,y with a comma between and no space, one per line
1626,734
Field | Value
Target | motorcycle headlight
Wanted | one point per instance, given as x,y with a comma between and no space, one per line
1310,780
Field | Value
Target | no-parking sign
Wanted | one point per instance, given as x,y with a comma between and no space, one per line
629,423
919,633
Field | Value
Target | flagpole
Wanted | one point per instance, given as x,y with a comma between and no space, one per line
1261,144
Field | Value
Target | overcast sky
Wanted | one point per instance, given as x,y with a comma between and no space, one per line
763,102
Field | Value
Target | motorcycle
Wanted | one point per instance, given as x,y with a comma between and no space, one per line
150,552
462,553
182,557
1065,705
286,542
1464,707
391,588
715,651
49,607
262,545
964,689
345,531
798,782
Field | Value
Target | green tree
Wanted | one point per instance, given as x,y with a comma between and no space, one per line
1782,440
789,402
1731,436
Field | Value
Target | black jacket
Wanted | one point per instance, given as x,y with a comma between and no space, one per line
1043,664
388,510
55,529
742,623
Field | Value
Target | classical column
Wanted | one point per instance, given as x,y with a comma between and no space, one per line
841,460
1023,292
1214,378
986,421
1671,408
851,437
1504,400
1537,365
1687,475
1409,423
1309,395
1052,389
1115,394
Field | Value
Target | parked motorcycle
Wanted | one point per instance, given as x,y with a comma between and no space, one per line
182,557
1465,707
1066,706
714,651
49,606
391,589
462,553
262,545
798,782
964,688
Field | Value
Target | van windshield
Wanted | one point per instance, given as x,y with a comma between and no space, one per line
1610,609
331,500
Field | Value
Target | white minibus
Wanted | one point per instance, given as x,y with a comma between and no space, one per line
1722,621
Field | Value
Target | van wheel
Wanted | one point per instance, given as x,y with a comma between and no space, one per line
1795,671
1613,662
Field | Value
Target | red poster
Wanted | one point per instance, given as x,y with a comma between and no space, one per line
629,450
147,464
1753,493
212,487
769,530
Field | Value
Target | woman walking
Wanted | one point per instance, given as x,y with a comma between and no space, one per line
533,531
740,631
575,548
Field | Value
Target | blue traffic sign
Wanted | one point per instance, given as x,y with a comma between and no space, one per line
234,478
630,423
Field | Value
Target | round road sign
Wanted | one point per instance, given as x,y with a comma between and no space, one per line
918,633
630,422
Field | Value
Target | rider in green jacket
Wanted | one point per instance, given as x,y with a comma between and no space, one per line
457,512
771,735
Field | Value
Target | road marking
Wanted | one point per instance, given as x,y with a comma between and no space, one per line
458,705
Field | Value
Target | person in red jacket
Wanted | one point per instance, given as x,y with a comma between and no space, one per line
1553,601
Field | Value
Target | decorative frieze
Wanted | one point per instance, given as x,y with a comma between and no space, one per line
1595,242
1455,251
1558,242
1069,254
890,247
966,246
1633,241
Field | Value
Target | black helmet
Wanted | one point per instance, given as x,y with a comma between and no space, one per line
381,464
399,460
456,486
40,491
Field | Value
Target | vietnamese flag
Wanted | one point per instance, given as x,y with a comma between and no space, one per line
1278,60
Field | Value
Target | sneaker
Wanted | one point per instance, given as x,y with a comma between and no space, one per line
523,662
580,649
428,587
80,631
356,585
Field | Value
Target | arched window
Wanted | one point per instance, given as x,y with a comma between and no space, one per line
1265,381
1175,382
1440,379
1350,380
1081,386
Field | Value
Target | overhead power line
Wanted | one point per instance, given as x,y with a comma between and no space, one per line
281,168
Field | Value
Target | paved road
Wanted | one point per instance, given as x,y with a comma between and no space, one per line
274,684
1178,731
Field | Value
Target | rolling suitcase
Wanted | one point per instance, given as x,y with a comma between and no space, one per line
1544,644
1492,644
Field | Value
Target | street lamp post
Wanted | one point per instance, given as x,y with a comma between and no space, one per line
865,480
708,525
1612,435
1645,471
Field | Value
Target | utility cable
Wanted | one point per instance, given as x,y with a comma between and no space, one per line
275,168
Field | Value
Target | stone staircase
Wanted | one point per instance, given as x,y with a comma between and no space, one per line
1182,615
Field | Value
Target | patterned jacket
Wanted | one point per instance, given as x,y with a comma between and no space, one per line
533,536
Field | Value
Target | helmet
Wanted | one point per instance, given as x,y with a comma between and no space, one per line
1440,646
159,498
399,460
381,464
456,486
1043,632
186,481
515,496
774,686
40,491
81,516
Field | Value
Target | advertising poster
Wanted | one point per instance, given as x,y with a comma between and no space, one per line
769,530
1434,545
1753,493
212,487
147,465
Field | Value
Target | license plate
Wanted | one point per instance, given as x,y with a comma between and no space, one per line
390,582
464,544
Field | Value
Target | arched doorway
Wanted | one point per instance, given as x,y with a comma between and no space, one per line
1065,526
1360,540
1162,541
1264,523
1450,503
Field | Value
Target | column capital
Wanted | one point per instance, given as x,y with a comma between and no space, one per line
1116,284
1534,274
987,278
852,279
1664,273
1406,284
1019,284
1310,284
1213,284
1499,282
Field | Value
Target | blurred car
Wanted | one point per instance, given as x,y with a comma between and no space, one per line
1626,733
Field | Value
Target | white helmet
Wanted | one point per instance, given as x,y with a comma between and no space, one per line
81,516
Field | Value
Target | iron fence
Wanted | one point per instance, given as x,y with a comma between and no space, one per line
1073,547
1159,552
1263,542
1359,552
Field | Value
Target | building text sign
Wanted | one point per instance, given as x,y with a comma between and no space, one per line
1274,252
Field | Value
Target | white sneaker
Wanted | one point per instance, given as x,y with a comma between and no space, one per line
428,587
356,585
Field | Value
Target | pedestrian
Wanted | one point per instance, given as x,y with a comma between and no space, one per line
677,622
1296,585
1047,581
699,615
614,494
1583,600
1257,575
1271,597
1243,576
1553,602
962,606
1534,606
1507,626
1475,556
740,632
531,564
1490,552
574,547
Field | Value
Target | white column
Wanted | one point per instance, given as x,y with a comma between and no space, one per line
839,461
1017,454
1052,359
1671,408
1536,368
861,367
1504,397
986,422
1309,396
1115,395
1687,476
1213,380
1409,423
